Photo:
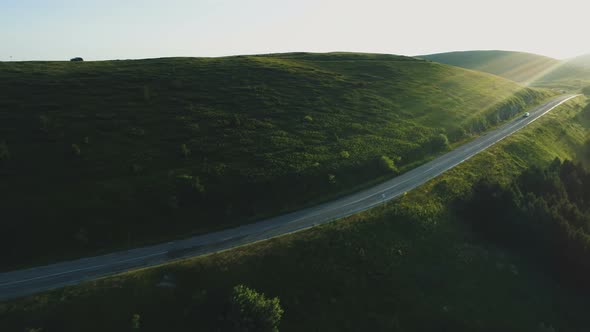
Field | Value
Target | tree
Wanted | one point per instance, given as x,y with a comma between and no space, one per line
586,90
253,311
388,165
135,321
439,142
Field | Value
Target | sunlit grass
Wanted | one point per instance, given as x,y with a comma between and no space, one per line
526,68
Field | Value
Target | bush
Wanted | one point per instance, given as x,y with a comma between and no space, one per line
76,150
4,153
192,182
135,321
439,142
344,154
252,311
387,165
185,151
332,178
308,118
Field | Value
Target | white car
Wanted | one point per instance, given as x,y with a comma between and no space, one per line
526,115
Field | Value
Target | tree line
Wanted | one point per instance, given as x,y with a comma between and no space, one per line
545,212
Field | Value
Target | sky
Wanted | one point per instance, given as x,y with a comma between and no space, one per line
132,29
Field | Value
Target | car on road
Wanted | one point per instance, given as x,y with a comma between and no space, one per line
526,115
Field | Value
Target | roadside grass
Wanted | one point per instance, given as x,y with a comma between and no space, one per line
405,266
115,154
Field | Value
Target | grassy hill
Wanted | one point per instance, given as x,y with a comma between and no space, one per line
103,155
409,266
516,66
526,68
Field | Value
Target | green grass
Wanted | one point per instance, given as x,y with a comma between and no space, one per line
114,154
516,66
409,266
526,68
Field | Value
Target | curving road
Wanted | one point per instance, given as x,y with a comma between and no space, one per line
28,281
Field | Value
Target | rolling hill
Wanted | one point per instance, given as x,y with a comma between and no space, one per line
516,66
525,68
96,156
412,265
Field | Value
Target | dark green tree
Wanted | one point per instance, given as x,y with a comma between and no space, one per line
387,164
439,142
253,311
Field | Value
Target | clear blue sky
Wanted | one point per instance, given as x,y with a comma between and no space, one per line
123,29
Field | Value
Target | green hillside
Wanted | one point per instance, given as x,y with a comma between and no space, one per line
410,266
103,155
516,66
526,68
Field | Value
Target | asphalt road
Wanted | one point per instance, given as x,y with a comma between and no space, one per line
28,281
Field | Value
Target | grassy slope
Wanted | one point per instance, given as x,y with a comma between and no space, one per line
405,267
272,129
521,67
517,66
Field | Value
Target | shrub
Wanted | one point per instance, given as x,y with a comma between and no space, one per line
76,150
344,154
331,178
308,118
439,142
252,311
191,183
185,151
4,153
388,165
135,321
